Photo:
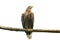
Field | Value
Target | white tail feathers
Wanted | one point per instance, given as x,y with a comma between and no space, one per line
29,36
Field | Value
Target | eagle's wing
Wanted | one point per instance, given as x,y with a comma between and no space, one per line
23,21
32,19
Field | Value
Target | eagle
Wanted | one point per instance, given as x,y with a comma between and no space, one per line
27,20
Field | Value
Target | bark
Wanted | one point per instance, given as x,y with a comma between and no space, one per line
29,30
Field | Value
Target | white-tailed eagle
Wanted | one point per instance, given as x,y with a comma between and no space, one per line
27,19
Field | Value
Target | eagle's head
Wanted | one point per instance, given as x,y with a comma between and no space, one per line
29,8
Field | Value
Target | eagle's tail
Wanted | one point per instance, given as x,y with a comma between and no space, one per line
29,34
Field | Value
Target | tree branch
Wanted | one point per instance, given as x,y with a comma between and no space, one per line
29,30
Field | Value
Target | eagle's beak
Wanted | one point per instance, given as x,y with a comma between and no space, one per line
31,6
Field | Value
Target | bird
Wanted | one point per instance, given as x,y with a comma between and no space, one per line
27,20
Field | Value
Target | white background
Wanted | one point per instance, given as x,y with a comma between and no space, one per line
46,12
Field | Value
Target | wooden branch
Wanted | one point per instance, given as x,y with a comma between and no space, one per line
11,28
29,30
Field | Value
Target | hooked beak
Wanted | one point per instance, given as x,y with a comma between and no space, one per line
31,7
